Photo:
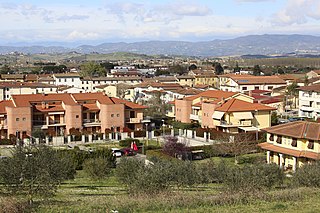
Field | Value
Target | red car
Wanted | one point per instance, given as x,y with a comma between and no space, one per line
128,152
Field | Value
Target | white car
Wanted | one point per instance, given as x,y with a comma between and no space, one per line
116,152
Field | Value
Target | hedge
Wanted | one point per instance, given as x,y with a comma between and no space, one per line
127,142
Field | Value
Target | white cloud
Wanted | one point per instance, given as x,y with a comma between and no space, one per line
76,35
297,12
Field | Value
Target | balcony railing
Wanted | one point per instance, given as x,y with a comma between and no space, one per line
91,121
240,123
133,120
194,117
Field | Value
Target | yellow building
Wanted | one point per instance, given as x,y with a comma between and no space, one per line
292,144
241,116
186,80
207,79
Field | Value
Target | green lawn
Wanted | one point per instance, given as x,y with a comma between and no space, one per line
84,195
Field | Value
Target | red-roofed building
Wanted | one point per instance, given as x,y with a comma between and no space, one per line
57,114
292,144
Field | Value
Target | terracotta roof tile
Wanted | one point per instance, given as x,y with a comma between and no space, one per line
128,103
298,129
218,94
311,88
249,79
99,96
4,104
236,105
26,100
287,151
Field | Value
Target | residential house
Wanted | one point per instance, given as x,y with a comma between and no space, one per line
234,116
57,114
243,83
186,80
313,74
309,101
189,109
292,144
9,88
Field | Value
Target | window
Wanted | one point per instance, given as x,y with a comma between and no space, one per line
77,116
24,119
17,119
256,88
118,115
112,115
270,87
271,138
72,79
59,80
310,144
279,139
294,142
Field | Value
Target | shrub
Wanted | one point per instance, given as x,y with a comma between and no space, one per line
172,147
200,132
6,141
308,175
127,142
139,134
96,168
253,178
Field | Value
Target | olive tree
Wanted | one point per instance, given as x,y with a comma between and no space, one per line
36,171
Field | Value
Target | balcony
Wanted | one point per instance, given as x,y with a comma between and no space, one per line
91,122
306,108
194,117
133,120
237,124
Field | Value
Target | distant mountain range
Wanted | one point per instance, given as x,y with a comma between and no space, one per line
246,45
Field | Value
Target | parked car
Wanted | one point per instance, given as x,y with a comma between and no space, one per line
296,119
117,152
128,152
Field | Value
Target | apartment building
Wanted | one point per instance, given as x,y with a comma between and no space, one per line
57,114
243,83
9,88
309,101
189,109
186,80
234,116
292,144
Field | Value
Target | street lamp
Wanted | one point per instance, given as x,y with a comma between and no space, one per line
147,133
162,127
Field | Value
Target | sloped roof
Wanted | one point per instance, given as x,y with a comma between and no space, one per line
297,129
236,105
4,104
26,100
287,151
249,79
99,96
311,88
218,94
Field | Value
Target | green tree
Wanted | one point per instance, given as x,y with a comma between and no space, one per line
218,68
92,69
256,70
178,69
97,168
5,69
236,68
274,118
193,67
157,108
36,171
292,93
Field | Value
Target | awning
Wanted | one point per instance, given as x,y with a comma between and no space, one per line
217,115
249,128
243,115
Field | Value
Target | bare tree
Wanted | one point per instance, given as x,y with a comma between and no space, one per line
237,144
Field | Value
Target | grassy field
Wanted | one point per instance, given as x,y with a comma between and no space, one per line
84,195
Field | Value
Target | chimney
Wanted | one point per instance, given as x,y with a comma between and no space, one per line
43,104
250,93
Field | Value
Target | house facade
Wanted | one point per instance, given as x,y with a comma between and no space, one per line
292,144
309,101
57,114
244,83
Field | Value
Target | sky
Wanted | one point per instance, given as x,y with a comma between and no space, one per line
97,21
